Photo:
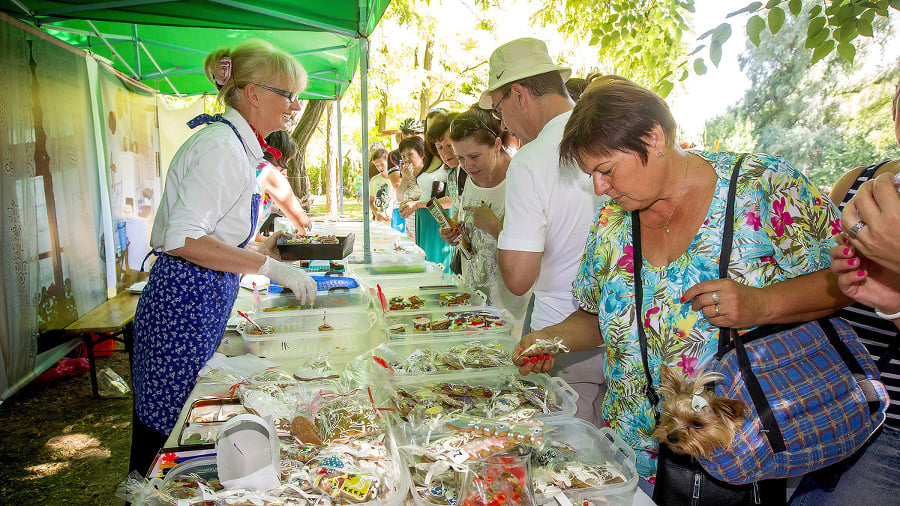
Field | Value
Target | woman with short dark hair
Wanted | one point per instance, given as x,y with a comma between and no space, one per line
623,136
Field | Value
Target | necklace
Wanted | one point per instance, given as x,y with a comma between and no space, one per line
677,200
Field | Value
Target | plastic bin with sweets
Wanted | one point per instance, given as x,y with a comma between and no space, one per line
424,298
482,392
304,333
575,459
397,259
444,355
448,322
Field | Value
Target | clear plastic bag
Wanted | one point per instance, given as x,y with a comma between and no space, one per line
138,491
110,384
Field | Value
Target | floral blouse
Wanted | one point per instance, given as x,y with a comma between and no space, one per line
783,228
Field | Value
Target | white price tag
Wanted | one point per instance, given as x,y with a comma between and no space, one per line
459,456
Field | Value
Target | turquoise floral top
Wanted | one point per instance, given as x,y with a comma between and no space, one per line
783,228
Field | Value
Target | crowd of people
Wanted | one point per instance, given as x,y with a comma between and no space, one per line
558,192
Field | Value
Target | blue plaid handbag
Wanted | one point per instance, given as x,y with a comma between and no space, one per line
812,393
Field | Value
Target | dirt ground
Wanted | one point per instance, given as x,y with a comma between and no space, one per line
58,446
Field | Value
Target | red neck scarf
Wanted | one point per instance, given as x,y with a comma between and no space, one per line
276,154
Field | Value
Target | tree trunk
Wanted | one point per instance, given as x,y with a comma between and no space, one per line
332,165
301,135
425,93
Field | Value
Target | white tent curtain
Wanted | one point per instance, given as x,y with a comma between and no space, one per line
51,268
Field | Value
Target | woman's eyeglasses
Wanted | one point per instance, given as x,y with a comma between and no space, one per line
470,125
278,91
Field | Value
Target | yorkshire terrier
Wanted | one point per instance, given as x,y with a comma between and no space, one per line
694,420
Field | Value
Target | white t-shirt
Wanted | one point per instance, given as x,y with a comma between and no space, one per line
209,186
482,271
549,209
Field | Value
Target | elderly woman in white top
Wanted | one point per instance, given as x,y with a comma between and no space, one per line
202,236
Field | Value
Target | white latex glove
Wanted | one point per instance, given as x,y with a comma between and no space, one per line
301,283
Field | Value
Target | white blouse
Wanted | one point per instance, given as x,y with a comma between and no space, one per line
209,186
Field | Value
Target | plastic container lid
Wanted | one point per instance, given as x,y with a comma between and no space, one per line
298,333
335,298
433,274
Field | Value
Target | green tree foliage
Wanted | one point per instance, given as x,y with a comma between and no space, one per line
830,24
638,39
797,108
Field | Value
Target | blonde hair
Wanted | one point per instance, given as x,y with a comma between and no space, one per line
253,61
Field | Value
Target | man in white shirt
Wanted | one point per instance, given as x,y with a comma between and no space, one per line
549,208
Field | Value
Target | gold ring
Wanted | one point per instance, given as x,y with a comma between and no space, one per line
717,310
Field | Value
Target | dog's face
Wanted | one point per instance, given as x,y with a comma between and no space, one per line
695,421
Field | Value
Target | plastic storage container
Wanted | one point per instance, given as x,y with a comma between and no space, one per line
596,446
297,333
448,322
559,393
591,445
447,297
432,275
403,355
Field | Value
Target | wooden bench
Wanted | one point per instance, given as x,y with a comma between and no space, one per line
114,319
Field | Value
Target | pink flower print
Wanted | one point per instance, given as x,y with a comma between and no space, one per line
781,218
688,365
836,227
770,260
817,201
627,259
753,217
650,312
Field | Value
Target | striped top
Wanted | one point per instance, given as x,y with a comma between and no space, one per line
878,335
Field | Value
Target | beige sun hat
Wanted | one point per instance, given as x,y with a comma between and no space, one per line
516,60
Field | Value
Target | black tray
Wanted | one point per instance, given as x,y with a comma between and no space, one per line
292,252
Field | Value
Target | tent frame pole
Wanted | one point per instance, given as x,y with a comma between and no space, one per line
364,149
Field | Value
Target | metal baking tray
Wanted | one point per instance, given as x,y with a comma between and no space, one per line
339,251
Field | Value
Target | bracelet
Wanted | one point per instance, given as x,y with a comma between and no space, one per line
888,316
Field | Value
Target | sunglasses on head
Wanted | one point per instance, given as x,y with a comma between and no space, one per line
278,91
469,125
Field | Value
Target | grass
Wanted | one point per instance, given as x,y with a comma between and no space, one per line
352,209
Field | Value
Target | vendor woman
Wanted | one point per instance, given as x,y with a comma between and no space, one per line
202,236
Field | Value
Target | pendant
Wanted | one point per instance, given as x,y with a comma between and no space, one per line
667,229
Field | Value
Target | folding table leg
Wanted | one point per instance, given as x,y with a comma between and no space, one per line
89,345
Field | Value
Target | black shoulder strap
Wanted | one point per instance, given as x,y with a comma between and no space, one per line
727,239
638,260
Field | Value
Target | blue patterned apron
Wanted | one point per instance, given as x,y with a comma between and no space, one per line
178,324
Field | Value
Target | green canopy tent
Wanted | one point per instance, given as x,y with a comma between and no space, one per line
162,43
